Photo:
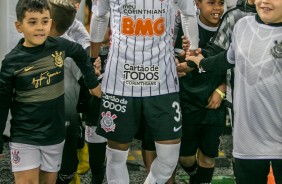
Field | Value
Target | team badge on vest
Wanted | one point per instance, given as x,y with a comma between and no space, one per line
107,121
276,51
58,59
15,156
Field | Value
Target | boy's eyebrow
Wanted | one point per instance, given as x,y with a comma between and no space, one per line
32,18
44,18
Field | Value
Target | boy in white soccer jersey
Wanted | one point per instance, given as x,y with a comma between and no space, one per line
140,80
63,14
201,96
256,52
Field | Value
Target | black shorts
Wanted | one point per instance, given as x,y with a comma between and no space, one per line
256,171
204,137
120,117
145,136
93,111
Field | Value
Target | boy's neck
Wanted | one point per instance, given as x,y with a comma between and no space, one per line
250,2
53,32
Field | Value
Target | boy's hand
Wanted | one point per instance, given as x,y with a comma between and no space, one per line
186,46
214,101
96,91
182,68
180,72
195,59
185,43
97,65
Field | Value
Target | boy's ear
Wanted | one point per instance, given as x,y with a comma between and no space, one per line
18,26
51,21
76,6
51,24
197,3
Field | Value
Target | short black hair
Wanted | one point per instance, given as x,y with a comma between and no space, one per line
63,14
30,6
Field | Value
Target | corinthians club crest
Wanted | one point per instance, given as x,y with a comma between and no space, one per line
15,156
58,59
276,51
107,121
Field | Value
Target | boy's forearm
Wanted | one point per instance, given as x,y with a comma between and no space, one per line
91,80
211,49
215,63
222,87
3,120
82,60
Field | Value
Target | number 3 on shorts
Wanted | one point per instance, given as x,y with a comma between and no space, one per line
176,106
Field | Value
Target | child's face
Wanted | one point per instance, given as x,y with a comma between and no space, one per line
210,11
35,26
270,11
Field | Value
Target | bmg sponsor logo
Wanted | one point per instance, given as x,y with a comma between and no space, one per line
140,75
114,103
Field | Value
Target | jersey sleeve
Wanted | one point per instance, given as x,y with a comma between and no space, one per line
216,63
79,55
6,92
99,20
189,21
79,34
231,49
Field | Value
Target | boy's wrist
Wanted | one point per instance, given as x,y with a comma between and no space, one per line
93,59
191,64
222,95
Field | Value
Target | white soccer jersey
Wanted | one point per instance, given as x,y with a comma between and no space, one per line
71,86
141,61
256,52
78,33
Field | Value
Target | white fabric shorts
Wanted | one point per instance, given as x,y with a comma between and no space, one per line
26,157
91,136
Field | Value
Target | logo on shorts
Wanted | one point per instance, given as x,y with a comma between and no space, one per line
176,129
15,156
114,103
107,121
88,131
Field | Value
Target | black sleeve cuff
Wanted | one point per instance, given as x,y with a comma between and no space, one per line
90,80
191,64
215,63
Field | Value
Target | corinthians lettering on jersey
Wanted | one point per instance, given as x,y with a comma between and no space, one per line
129,9
142,26
141,75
